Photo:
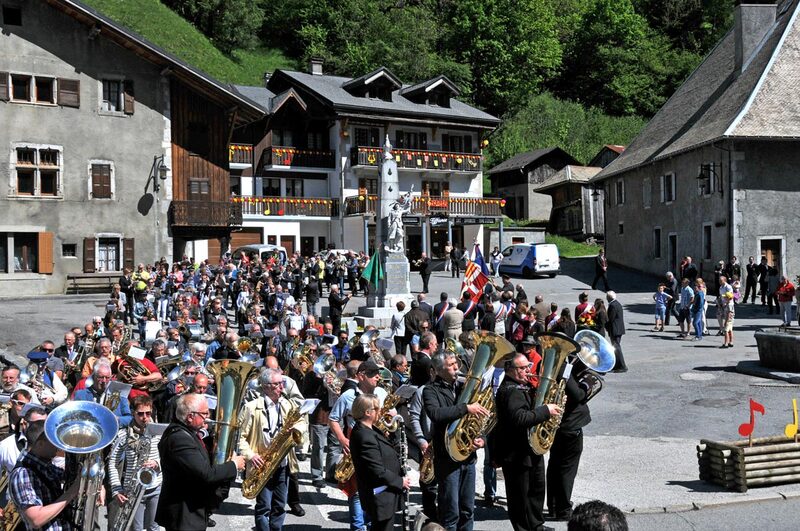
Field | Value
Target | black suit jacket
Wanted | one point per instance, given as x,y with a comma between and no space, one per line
438,326
425,266
420,370
427,308
336,302
189,479
441,406
377,465
515,414
616,322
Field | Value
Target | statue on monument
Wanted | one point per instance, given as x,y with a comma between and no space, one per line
395,239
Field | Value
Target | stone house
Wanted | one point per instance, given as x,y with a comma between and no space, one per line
577,211
115,151
714,172
516,179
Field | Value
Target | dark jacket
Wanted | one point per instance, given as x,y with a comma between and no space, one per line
376,465
337,302
437,324
189,479
515,414
425,266
312,293
439,401
413,321
420,370
576,412
616,322
599,262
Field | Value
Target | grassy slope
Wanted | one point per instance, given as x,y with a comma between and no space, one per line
161,26
570,249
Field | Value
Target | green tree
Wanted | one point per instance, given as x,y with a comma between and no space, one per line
511,46
230,24
691,25
545,121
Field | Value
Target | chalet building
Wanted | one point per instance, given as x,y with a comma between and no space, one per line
577,211
116,152
516,179
715,172
306,176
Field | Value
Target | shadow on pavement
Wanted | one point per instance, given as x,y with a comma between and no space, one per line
697,486
721,368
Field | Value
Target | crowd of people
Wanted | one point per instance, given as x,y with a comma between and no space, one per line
687,298
156,358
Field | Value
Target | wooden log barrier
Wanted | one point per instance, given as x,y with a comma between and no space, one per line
736,465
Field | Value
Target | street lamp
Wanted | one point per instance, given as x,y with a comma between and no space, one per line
158,172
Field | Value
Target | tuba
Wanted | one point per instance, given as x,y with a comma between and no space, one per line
593,351
83,428
490,351
132,368
325,368
231,377
284,440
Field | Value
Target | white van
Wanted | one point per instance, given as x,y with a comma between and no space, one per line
529,259
264,251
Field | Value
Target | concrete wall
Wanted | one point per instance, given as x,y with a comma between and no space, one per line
763,198
491,237
50,44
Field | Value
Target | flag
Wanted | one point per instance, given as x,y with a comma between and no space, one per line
474,281
477,257
373,273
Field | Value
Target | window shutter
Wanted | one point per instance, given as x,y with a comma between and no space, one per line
45,265
88,255
128,95
446,189
128,253
69,92
3,86
101,181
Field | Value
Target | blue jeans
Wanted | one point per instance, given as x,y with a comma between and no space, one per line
270,509
697,321
358,518
146,512
456,499
489,475
319,435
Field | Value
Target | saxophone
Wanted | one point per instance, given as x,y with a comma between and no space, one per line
10,518
490,351
284,440
556,348
145,478
386,422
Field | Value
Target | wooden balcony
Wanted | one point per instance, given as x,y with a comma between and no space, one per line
205,214
321,207
415,159
298,158
240,156
433,205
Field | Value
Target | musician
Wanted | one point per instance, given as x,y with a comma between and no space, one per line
198,385
228,350
12,446
259,422
378,470
522,468
424,265
35,484
175,337
438,316
127,451
190,481
565,455
341,422
420,438
413,320
421,365
69,349
342,349
398,364
49,389
314,387
336,304
54,363
456,490
101,376
104,352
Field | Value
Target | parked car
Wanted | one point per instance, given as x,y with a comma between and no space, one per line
530,259
264,251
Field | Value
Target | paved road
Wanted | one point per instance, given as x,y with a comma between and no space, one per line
639,449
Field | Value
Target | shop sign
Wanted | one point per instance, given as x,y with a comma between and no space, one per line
437,220
412,221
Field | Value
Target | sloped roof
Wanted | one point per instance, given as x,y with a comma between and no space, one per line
616,148
330,90
370,77
187,73
427,86
523,160
716,103
569,174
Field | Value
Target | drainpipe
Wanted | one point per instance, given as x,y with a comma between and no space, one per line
341,203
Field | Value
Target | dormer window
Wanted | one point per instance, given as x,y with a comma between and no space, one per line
439,99
437,92
378,85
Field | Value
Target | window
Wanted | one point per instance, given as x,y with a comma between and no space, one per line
37,171
108,254
706,241
619,188
282,137
272,239
368,186
12,16
457,143
621,228
315,140
199,189
45,92
25,247
3,252
20,87
367,136
647,193
668,188
271,188
112,95
236,185
294,187
657,242
69,250
411,140
705,180
101,181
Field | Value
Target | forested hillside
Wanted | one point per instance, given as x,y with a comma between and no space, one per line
579,73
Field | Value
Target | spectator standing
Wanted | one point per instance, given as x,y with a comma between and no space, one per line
662,298
698,308
785,294
448,251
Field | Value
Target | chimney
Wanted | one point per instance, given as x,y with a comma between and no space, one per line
752,21
315,66
267,75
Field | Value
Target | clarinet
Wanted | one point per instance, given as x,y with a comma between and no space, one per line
401,431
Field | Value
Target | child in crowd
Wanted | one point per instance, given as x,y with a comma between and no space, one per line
662,298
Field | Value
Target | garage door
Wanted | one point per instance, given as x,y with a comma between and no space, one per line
247,236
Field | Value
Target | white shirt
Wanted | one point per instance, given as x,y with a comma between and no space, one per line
9,453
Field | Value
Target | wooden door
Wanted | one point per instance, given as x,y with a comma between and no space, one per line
287,242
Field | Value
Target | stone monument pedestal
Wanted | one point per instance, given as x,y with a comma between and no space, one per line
395,286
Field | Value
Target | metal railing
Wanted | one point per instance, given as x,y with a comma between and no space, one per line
417,159
287,206
205,214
